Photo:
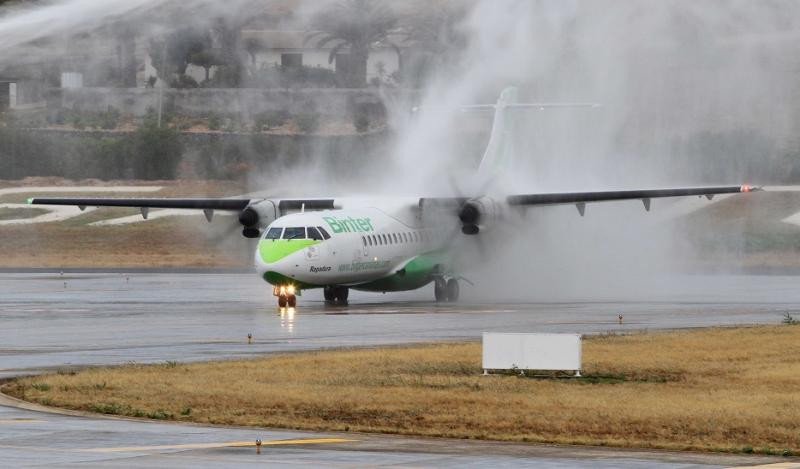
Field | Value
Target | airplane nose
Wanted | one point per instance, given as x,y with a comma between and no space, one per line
271,251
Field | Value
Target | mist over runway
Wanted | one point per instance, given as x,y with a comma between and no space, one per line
117,318
52,320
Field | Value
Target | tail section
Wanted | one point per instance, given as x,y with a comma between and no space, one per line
499,152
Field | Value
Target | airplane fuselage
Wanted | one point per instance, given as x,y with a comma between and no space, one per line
361,248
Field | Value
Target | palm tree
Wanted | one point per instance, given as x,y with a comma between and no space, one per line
355,26
435,31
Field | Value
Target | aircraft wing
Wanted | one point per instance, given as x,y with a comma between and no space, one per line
582,198
253,213
473,212
192,203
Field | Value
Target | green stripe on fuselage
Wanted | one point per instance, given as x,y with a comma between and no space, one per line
416,274
273,250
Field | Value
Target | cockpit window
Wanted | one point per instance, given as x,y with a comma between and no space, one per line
313,233
274,233
324,233
294,233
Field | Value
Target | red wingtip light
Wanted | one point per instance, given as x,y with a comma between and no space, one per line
746,188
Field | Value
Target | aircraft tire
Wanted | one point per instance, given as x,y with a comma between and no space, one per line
342,293
291,301
440,290
452,290
282,301
330,294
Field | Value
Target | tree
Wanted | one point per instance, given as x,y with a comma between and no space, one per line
170,54
157,152
205,59
227,31
125,36
434,30
355,26
253,46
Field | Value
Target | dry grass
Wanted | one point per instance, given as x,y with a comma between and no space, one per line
168,242
16,213
717,389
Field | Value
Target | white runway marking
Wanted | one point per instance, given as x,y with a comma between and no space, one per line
57,212
33,189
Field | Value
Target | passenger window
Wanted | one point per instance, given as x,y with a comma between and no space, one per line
324,233
294,233
274,233
369,238
380,240
364,240
394,235
385,239
313,233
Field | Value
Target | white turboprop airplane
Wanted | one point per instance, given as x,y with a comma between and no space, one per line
381,244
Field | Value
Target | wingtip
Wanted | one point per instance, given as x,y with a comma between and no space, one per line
749,188
30,200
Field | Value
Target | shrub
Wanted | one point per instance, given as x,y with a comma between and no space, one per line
43,387
157,152
277,118
260,123
110,119
361,123
214,121
308,122
184,81
77,122
231,125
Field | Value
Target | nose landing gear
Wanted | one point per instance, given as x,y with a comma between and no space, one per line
446,290
336,295
287,300
287,296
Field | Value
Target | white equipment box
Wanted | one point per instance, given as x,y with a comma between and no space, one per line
510,351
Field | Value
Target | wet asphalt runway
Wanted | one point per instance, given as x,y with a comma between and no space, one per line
55,321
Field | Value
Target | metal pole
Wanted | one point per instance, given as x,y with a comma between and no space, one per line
163,81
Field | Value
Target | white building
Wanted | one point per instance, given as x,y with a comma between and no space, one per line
290,48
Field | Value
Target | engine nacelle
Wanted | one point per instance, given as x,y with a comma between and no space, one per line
477,215
257,216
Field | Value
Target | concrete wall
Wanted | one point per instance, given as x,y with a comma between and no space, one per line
114,155
199,102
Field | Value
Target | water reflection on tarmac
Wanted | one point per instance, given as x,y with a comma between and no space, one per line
54,320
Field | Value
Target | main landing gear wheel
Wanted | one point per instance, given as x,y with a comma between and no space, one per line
446,290
440,290
336,295
452,290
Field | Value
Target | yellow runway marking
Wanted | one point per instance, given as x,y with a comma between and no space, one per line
230,444
12,421
780,465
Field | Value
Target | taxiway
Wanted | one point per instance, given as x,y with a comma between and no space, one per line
56,321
